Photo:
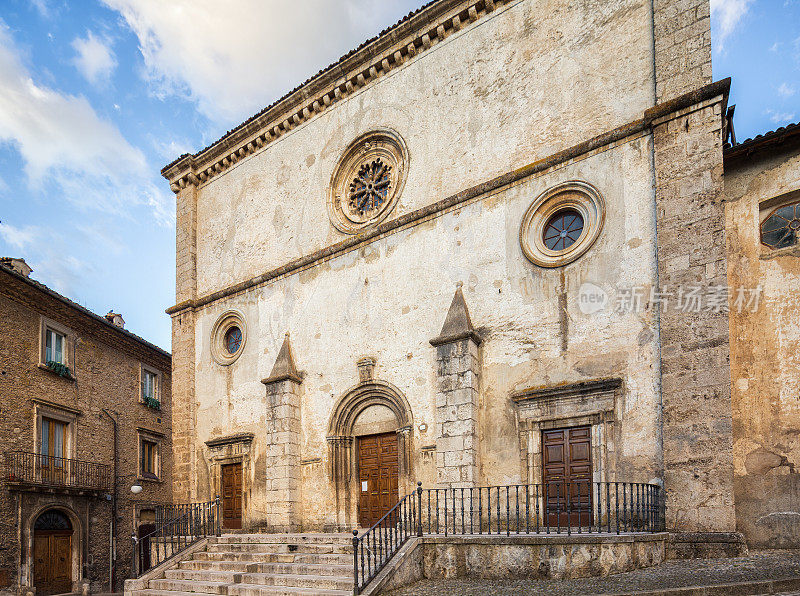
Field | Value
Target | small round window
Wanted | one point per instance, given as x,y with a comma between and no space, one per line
562,223
563,229
233,340
228,338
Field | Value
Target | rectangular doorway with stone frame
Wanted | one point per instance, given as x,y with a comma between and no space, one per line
378,477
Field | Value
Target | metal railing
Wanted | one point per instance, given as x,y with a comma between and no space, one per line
37,469
179,527
517,509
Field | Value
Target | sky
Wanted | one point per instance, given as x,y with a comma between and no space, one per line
96,96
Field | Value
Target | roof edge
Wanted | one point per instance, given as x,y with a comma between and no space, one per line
414,34
85,311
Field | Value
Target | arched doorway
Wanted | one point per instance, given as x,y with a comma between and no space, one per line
369,450
52,553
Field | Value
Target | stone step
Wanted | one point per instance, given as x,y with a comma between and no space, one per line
278,547
185,585
206,575
241,561
323,582
257,590
310,538
254,590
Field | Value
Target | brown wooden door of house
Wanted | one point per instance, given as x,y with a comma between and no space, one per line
567,476
378,471
232,496
52,561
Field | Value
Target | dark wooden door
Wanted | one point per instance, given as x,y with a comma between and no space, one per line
145,560
232,496
567,476
378,471
52,561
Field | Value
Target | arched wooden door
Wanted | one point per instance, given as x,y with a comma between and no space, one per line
52,553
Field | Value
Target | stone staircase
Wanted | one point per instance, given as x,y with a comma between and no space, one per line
263,564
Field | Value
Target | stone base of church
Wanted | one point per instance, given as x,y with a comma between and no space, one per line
705,545
543,556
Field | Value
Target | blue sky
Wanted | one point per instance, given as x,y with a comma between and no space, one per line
97,96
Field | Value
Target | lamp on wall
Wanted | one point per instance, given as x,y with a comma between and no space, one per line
136,488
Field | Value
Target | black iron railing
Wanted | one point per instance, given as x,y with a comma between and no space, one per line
178,527
37,469
551,508
375,547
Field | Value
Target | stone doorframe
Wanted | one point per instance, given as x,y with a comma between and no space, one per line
78,544
587,403
342,435
233,449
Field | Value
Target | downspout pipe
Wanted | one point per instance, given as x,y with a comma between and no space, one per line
113,550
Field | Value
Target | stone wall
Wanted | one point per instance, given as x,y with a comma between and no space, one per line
764,357
682,46
695,378
388,298
183,346
517,85
105,365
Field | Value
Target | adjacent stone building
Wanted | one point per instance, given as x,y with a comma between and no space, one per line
85,416
496,232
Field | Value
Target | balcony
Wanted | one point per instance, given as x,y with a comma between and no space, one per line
33,471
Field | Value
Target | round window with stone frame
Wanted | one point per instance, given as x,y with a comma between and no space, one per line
368,180
228,338
562,223
781,228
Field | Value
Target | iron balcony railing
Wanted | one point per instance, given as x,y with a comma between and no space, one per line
551,508
177,528
46,470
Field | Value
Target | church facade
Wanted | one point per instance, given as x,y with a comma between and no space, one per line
496,232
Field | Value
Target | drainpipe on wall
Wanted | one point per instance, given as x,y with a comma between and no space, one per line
112,554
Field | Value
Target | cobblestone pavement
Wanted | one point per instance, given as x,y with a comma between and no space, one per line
758,566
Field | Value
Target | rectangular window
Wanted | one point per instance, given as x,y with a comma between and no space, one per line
53,433
54,346
149,381
149,459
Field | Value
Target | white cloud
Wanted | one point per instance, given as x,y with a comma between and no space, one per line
233,58
780,117
66,145
727,14
17,238
42,7
786,90
95,59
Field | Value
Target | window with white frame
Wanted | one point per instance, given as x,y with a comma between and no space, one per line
55,346
149,391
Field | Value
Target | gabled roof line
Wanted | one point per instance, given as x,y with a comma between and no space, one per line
414,34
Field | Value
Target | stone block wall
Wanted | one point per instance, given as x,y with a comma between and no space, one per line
282,456
697,444
457,413
183,346
682,46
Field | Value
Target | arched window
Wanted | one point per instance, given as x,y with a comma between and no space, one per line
52,520
782,227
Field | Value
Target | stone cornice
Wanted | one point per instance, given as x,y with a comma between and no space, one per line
569,390
393,48
642,125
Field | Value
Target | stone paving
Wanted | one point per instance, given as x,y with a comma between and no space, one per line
758,566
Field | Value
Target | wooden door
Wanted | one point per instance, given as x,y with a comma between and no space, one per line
567,476
378,472
232,496
52,561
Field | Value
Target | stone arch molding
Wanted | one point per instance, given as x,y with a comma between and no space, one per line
357,399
